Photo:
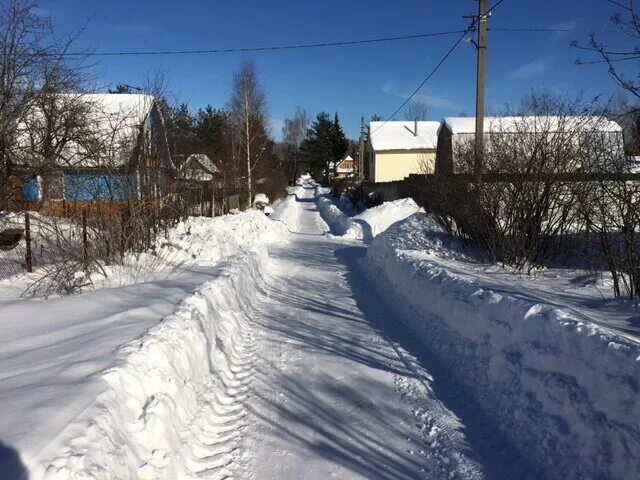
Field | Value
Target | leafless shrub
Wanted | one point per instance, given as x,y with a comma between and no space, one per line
526,223
611,217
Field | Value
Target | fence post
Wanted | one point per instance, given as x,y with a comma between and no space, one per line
27,237
124,220
85,254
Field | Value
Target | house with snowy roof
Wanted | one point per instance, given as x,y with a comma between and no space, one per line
398,149
198,176
345,167
114,150
198,167
523,136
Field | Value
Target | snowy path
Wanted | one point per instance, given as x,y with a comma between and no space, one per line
334,397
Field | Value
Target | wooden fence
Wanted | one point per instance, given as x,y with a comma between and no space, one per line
417,186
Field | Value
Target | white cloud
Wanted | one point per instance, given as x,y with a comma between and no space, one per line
532,69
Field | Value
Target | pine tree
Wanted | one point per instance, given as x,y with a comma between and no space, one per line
340,144
325,144
121,88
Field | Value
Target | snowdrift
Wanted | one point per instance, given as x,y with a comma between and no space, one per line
79,404
338,222
286,210
172,406
206,240
376,220
564,391
368,224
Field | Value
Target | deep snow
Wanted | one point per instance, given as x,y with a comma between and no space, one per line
280,349
366,225
563,389
56,354
333,396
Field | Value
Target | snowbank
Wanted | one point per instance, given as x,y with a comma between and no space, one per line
564,391
338,222
172,408
368,224
206,241
71,406
376,220
286,210
196,241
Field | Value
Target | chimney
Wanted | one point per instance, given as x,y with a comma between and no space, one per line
415,127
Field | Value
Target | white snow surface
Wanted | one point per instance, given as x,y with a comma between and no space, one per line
284,352
458,125
332,395
117,118
76,403
563,389
368,224
400,135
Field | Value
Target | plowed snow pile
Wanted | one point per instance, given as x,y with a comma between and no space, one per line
368,224
373,221
140,381
564,390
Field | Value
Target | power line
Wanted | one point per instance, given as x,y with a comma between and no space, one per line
491,9
449,52
435,69
255,49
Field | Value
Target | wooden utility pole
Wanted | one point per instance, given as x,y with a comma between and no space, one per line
480,87
361,150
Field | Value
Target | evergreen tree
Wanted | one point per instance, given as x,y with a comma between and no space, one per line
325,144
121,88
339,141
180,127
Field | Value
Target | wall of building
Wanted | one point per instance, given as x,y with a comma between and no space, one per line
396,165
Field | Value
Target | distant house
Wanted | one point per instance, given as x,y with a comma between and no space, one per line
345,167
123,157
523,135
198,174
398,149
198,167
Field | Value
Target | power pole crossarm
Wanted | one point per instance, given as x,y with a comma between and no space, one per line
481,86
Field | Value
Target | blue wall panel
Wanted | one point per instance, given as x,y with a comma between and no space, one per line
97,186
31,190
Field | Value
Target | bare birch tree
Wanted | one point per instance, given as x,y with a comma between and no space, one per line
294,132
248,115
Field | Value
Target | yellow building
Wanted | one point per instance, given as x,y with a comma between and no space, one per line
398,149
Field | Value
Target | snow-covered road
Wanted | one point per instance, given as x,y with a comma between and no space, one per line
334,395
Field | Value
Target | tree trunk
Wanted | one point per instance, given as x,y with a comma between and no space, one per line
213,198
248,164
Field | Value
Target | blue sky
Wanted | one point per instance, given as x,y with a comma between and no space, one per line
352,80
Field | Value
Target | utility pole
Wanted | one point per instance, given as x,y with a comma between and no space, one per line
480,87
361,150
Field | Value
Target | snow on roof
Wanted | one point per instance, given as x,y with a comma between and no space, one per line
116,118
199,167
459,125
341,169
400,135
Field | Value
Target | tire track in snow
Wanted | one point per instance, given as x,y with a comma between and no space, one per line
214,437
